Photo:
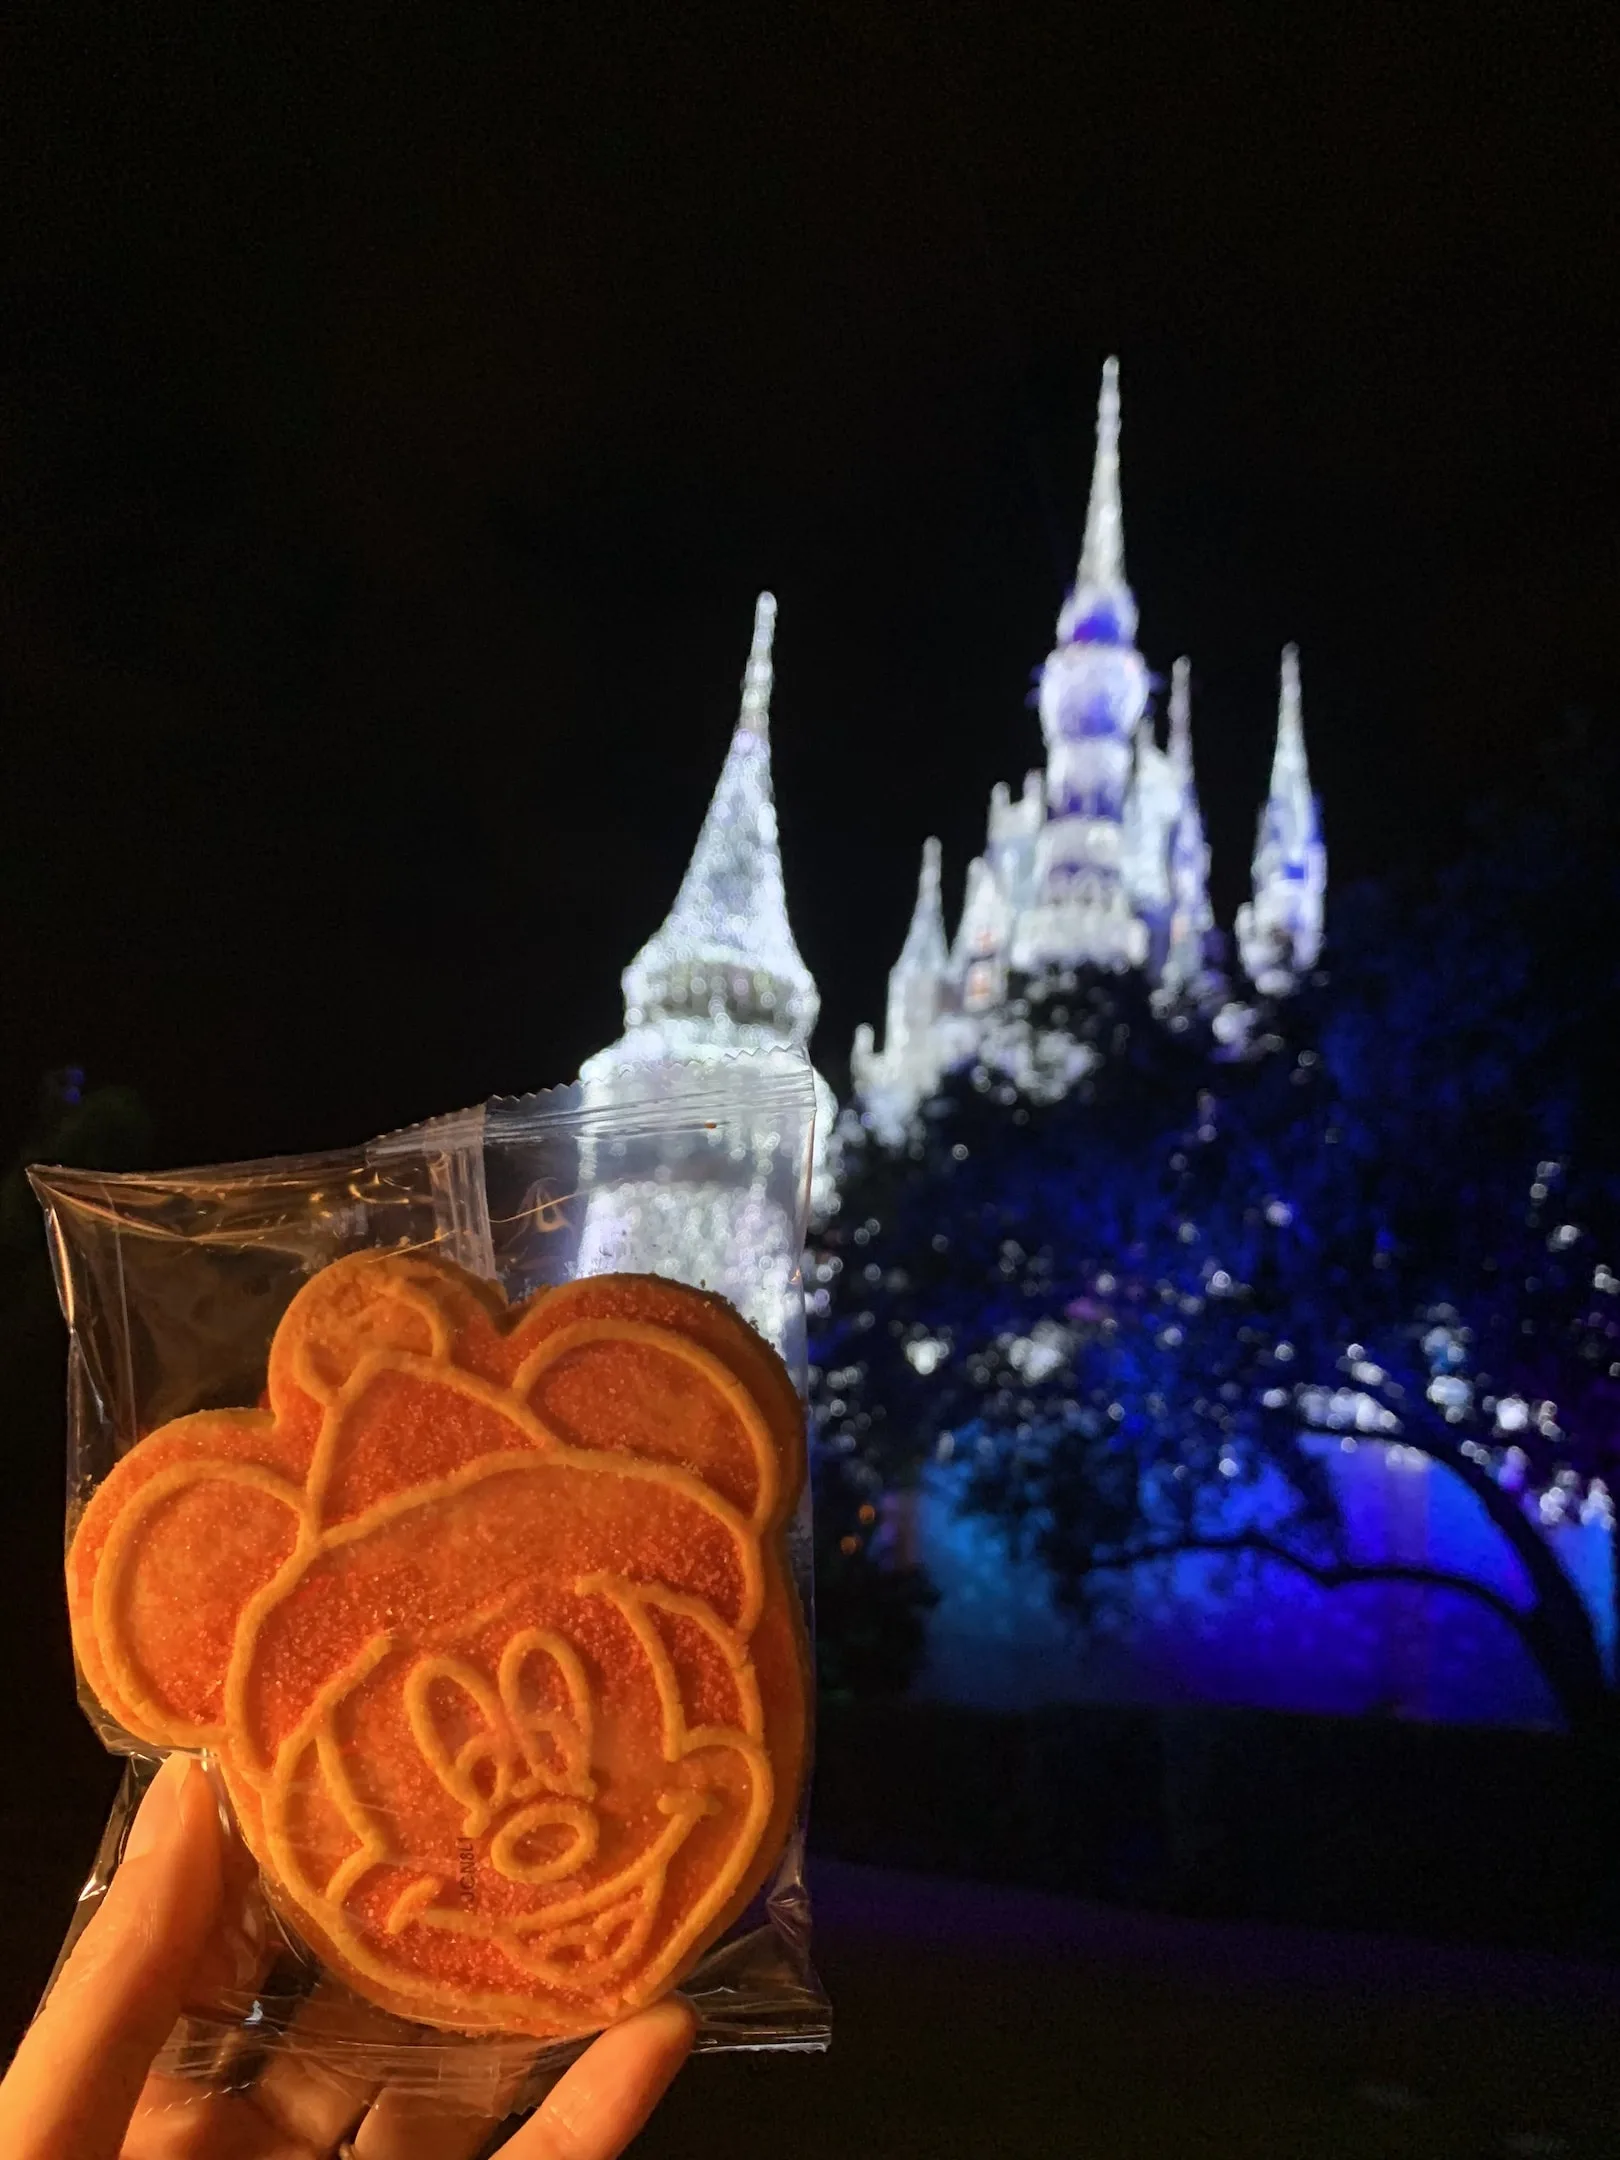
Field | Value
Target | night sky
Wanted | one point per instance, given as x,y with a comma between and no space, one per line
398,419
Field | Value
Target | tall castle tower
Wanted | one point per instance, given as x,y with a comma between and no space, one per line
1094,691
721,974
1101,862
722,971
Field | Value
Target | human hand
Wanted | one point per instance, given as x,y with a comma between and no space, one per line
81,2086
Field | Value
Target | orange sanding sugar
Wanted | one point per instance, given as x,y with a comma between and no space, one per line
487,1619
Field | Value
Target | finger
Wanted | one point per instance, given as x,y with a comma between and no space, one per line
71,2089
180,2120
402,2129
309,2096
453,2126
598,2105
242,1947
323,2073
207,2114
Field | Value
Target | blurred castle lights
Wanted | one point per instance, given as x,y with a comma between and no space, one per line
1098,868
1100,861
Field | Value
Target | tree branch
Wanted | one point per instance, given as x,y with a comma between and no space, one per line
1556,1600
1335,1574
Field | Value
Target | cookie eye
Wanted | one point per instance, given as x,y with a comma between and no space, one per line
547,1700
456,1720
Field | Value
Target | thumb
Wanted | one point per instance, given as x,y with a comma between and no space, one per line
599,2104
74,2082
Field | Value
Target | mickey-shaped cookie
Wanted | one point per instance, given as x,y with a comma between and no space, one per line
488,1622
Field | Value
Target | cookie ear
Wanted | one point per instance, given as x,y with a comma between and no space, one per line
365,1303
187,1527
639,1365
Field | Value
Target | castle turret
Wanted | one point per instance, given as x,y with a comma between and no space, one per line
1011,835
917,978
1152,802
723,964
1093,691
983,935
1279,932
1191,918
910,1062
722,972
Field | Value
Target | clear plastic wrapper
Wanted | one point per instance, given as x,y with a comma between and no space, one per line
175,1288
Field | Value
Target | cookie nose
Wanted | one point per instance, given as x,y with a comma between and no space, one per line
506,1851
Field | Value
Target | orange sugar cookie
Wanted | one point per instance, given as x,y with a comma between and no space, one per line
487,1619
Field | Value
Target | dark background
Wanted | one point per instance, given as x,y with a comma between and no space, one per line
399,415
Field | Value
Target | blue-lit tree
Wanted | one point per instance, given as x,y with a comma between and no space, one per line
1392,1220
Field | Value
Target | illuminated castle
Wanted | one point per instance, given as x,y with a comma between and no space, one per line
1101,861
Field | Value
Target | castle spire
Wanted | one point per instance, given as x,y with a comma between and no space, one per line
1280,930
1093,691
720,976
924,949
911,1060
757,675
724,958
1102,553
1100,607
1290,750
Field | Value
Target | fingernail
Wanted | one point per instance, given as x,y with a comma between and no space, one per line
160,1810
243,1954
673,2012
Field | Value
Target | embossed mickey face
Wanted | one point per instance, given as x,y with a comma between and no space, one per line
487,1621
